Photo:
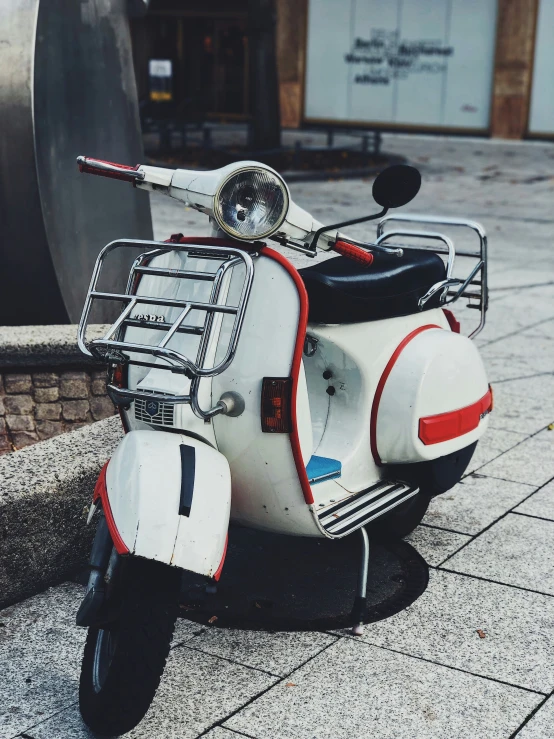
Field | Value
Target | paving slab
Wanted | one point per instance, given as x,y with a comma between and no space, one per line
275,652
494,443
540,504
436,545
354,690
524,405
540,725
40,653
519,355
220,733
517,550
196,691
531,462
442,626
184,631
475,503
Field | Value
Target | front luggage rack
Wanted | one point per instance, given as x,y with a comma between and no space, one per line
114,349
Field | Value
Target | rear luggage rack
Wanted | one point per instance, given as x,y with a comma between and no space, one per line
114,349
474,286
339,519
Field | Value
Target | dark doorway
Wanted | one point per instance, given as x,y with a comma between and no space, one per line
208,55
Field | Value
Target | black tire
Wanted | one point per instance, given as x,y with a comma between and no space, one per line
123,663
403,519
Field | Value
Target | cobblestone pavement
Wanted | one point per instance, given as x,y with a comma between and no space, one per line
473,656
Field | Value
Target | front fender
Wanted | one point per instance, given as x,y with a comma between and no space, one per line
168,498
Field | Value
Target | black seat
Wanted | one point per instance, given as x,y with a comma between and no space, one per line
342,291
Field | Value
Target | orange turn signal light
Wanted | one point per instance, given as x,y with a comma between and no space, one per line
276,405
119,377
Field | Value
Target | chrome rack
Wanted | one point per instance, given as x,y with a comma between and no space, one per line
451,288
113,349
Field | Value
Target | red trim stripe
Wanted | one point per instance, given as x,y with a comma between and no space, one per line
217,573
446,426
299,345
381,386
101,491
295,367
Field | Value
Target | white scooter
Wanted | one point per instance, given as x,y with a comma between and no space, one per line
313,402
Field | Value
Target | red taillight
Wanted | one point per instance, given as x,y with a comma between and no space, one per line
446,426
452,320
276,405
119,378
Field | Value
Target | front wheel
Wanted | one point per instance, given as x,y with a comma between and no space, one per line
124,661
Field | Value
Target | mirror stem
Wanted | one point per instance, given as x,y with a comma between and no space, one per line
323,229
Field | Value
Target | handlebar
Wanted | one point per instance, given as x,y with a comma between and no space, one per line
358,255
113,170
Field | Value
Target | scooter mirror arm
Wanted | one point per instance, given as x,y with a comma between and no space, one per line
343,224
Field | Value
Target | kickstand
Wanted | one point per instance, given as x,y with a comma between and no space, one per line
360,601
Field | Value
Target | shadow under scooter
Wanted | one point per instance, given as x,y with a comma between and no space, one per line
275,582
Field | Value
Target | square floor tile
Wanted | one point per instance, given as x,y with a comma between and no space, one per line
520,355
40,654
196,691
475,503
494,443
278,652
540,503
442,625
435,545
184,631
356,691
67,724
219,733
524,406
517,550
541,725
531,462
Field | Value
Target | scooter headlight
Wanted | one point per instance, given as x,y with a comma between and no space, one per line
251,203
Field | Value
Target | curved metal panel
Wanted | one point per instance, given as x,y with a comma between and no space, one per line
28,284
67,87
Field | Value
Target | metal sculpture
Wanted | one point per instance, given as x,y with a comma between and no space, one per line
66,85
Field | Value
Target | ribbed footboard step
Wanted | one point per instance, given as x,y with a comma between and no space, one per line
350,514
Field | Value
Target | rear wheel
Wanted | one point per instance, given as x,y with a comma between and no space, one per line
403,519
124,661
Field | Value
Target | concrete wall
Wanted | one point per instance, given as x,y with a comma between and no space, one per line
45,493
47,386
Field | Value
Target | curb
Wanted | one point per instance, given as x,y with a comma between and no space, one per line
45,491
44,346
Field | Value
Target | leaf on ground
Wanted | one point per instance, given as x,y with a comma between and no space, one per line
481,633
290,685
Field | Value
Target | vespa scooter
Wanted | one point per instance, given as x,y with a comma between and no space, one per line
316,402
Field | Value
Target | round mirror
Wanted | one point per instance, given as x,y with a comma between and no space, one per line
396,186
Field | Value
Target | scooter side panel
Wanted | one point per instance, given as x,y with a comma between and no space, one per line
266,490
170,499
356,354
437,372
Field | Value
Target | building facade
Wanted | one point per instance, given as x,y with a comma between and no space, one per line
482,67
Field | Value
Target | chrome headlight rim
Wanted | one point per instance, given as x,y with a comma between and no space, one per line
218,215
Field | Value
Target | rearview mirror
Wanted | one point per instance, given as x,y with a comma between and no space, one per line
396,186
